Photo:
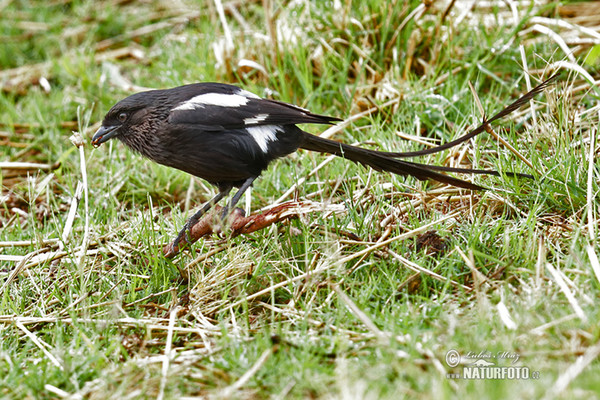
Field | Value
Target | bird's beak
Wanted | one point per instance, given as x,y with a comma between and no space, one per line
104,134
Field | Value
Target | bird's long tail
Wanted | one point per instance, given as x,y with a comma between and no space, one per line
388,161
380,162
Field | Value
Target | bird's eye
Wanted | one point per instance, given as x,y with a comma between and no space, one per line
122,117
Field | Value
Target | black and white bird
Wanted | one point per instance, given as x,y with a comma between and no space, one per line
228,136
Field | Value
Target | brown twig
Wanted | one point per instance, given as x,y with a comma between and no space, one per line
239,224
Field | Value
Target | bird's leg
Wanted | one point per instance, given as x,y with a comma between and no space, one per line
236,197
184,233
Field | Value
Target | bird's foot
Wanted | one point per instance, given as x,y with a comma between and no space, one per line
226,219
195,229
183,237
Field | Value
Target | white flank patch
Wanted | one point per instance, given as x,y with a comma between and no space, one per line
256,119
264,134
213,99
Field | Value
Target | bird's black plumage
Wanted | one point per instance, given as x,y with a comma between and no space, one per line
214,131
228,136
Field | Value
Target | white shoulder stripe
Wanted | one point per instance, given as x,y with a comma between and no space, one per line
256,119
248,94
213,99
263,134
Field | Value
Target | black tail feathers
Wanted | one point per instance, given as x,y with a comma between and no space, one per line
388,161
380,162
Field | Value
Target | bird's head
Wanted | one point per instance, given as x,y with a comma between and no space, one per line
123,118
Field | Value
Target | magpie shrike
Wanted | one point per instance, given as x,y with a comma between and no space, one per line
228,136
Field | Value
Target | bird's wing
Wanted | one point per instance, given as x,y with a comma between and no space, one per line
217,111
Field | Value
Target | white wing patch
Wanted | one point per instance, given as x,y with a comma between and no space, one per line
264,134
248,94
213,99
256,119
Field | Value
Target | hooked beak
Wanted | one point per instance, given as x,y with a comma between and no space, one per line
104,134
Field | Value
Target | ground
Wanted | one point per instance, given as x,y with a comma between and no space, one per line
380,286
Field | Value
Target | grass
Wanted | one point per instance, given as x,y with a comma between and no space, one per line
364,301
